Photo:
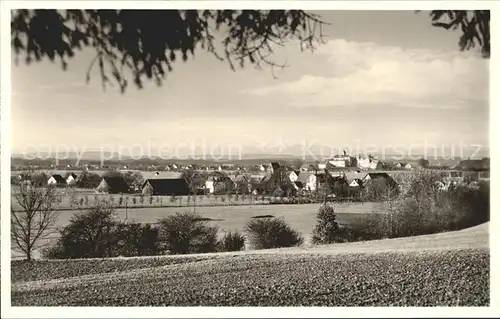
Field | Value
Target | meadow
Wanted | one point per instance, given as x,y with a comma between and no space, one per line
230,218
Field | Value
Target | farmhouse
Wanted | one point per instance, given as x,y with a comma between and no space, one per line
113,185
339,185
363,162
157,174
474,164
254,182
337,163
274,166
56,180
292,176
370,177
219,184
166,186
71,179
356,183
375,164
304,167
308,180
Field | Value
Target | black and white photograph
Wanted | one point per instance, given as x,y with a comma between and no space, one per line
221,155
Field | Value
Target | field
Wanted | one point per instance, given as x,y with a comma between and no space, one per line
449,269
229,218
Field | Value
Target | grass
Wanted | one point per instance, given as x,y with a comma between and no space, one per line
237,216
233,218
447,269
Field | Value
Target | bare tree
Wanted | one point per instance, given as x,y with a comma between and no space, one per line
36,219
195,181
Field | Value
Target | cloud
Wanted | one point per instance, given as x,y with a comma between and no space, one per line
369,74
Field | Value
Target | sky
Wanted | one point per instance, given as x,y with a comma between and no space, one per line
382,78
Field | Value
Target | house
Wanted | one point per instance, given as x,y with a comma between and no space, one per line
298,185
56,180
210,185
254,183
262,168
358,182
241,183
484,176
408,166
308,180
386,178
398,165
474,164
339,185
71,179
321,166
337,163
220,184
363,162
292,176
166,187
304,168
375,164
113,185
274,166
160,174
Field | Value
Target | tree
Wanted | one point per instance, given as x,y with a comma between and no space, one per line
129,40
195,181
89,180
267,233
40,180
327,228
88,235
297,163
475,27
185,233
134,179
423,162
36,220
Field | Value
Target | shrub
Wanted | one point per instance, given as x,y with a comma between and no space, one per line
185,233
98,234
366,227
424,211
88,235
272,233
327,228
136,240
232,242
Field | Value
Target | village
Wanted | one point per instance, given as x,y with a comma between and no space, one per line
342,176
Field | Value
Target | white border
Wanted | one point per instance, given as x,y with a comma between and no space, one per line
219,312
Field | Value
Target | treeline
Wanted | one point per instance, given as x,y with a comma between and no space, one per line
84,179
419,209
